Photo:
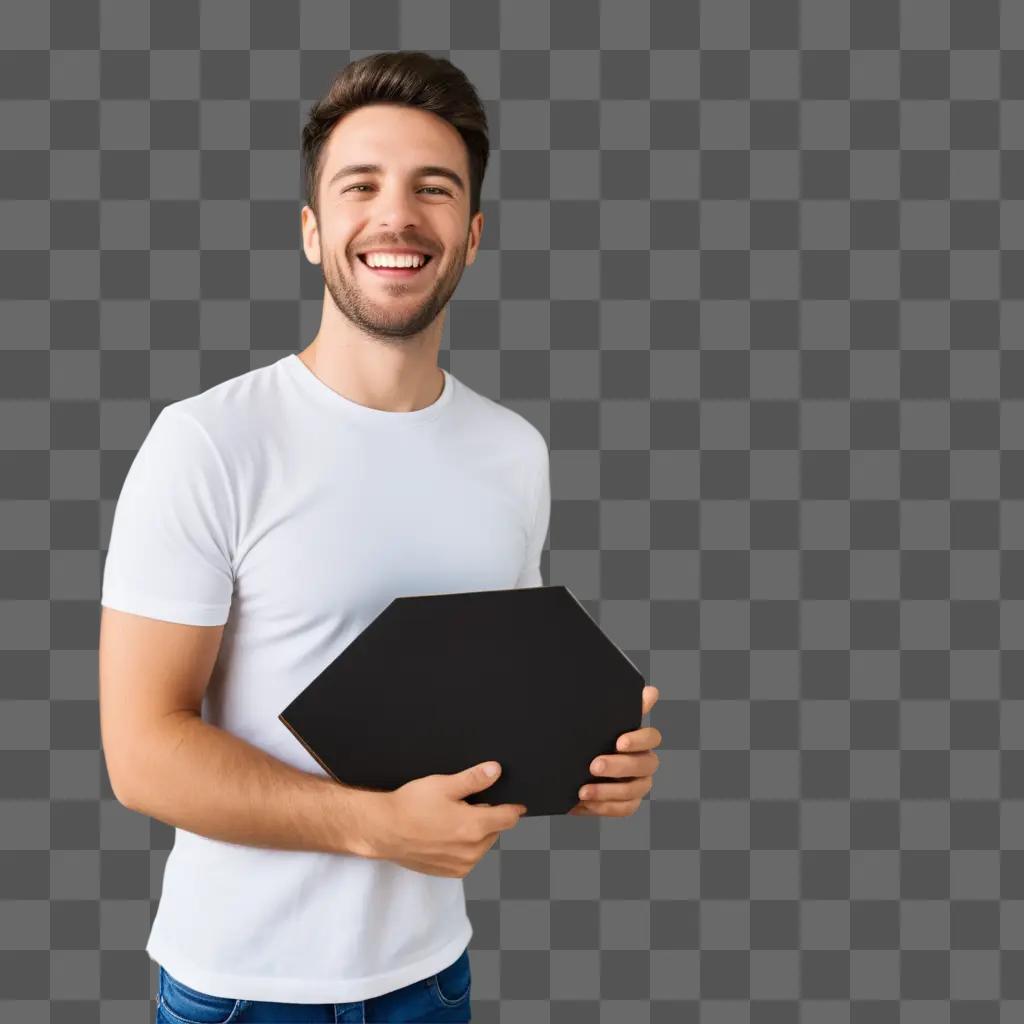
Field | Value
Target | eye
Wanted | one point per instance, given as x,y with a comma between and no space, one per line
436,188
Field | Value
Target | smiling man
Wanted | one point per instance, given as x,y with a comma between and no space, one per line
263,524
393,218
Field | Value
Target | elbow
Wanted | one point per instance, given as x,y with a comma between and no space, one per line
118,778
123,796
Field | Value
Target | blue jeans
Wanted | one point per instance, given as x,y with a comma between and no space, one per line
441,998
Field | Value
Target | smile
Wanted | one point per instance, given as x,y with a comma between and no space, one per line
395,272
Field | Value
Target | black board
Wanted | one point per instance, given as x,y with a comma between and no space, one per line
437,683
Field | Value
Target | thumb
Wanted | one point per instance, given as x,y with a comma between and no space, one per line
474,779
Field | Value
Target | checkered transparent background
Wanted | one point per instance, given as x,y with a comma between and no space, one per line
756,270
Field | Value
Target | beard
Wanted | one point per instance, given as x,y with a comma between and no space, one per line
394,315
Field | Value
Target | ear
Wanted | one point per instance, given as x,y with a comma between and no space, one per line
310,235
476,229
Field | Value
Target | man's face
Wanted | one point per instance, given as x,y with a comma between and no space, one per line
396,207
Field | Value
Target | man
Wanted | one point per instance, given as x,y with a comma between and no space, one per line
262,525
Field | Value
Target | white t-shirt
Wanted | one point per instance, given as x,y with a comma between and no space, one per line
295,515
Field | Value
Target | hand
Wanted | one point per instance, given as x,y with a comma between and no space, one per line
427,825
620,799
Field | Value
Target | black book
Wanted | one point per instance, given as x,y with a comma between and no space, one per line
437,683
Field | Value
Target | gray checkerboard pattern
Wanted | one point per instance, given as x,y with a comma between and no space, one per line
756,269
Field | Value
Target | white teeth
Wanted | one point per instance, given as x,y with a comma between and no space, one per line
378,259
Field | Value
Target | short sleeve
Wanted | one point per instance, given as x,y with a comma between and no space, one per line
540,517
170,550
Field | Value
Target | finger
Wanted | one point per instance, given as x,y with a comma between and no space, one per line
497,817
616,765
639,739
631,789
650,698
606,808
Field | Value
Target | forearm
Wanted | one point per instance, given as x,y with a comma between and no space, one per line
201,778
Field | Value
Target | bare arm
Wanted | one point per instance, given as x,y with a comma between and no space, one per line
207,780
165,761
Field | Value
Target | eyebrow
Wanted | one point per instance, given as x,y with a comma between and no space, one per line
423,171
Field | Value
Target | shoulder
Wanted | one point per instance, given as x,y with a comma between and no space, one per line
228,413
505,424
242,392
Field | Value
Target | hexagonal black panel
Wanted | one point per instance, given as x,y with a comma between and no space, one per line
439,682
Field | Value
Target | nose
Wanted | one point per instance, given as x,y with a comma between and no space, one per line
396,208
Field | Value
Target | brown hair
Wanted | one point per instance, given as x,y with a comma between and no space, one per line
409,77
